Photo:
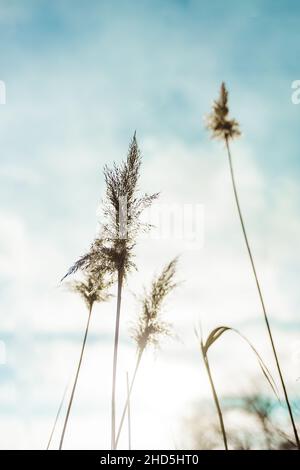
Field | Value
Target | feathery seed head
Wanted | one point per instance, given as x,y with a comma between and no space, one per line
113,250
150,327
93,288
123,205
218,121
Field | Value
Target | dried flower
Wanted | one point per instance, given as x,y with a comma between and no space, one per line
218,121
122,208
112,251
93,288
225,128
150,327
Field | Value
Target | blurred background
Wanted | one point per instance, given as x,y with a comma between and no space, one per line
80,78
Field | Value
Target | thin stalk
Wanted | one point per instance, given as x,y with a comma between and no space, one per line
76,379
260,295
128,395
57,416
115,360
216,400
128,413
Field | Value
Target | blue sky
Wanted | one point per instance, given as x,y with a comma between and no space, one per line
80,78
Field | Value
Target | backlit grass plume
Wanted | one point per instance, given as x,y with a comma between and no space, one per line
219,123
112,251
224,128
150,328
93,288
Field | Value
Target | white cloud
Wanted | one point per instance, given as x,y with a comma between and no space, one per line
72,113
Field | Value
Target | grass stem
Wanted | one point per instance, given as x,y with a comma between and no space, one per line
57,416
76,379
128,412
115,360
127,404
216,400
260,294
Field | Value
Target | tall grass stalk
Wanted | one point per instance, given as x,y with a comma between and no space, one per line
123,210
75,381
127,404
224,128
150,328
115,361
94,288
128,412
261,296
215,396
56,417
112,251
204,346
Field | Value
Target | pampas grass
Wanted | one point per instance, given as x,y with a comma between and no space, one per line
113,251
225,128
149,328
123,210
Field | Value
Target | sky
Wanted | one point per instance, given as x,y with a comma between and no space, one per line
80,79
